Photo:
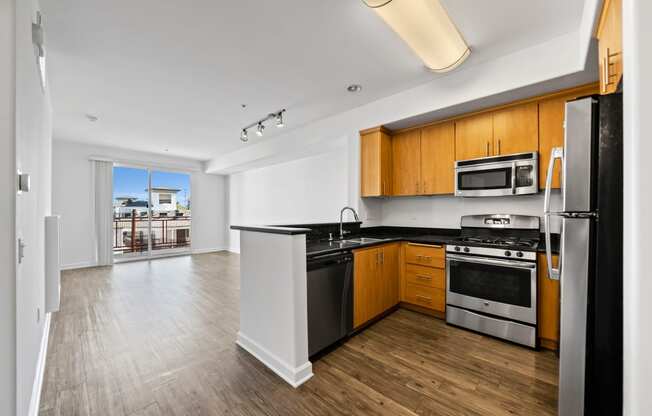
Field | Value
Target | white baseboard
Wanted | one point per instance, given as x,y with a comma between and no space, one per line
207,250
234,250
78,265
295,376
35,400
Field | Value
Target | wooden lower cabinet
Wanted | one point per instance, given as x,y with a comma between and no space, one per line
548,310
423,277
425,296
375,281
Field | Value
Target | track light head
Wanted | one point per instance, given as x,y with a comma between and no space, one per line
279,120
259,130
243,135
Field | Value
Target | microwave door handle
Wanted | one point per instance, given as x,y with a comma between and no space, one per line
513,178
556,153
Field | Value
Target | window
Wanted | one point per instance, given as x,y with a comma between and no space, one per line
164,198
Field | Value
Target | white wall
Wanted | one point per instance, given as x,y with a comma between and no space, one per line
637,35
313,189
7,207
72,194
33,156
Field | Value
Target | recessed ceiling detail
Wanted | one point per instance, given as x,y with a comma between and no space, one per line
427,29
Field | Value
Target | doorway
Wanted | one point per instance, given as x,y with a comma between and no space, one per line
151,213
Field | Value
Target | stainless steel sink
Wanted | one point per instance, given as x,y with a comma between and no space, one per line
362,240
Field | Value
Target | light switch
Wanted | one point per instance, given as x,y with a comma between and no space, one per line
23,182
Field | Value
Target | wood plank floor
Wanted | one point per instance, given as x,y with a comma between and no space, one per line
158,338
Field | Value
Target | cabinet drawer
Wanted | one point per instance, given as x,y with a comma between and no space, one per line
425,276
425,255
428,297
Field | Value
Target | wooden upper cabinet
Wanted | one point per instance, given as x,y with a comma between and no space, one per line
375,163
406,163
438,159
551,135
474,137
516,129
610,48
551,129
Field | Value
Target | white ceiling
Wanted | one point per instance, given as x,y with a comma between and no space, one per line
163,74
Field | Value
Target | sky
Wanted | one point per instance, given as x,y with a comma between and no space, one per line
132,182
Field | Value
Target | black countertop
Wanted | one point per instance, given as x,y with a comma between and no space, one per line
390,234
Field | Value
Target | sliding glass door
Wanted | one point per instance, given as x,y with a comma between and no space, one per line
130,212
151,212
170,196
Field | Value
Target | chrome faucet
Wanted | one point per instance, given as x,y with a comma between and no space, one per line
355,215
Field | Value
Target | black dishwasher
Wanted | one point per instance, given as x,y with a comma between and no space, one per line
330,299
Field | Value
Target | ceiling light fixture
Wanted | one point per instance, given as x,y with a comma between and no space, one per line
260,126
92,118
427,29
354,88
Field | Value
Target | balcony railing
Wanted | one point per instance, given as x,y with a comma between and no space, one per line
130,233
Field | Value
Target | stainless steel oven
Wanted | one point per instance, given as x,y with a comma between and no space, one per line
496,296
515,174
505,288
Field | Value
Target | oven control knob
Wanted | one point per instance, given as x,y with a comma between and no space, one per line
508,253
519,254
457,248
466,249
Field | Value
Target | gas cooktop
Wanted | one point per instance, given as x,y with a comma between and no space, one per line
502,242
501,231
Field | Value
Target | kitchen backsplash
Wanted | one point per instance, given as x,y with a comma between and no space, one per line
445,211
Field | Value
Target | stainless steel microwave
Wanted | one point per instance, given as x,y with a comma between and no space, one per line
515,174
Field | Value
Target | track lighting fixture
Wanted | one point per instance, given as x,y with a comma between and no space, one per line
260,126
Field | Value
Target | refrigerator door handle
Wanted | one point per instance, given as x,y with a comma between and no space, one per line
557,153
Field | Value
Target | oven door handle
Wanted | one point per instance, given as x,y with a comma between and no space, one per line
493,262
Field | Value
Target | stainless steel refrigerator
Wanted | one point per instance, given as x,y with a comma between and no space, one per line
590,256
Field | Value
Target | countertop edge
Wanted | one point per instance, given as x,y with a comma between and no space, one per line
271,230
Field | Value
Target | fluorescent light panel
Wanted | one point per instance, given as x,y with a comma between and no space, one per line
427,29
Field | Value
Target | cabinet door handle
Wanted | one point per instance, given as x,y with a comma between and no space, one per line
605,73
424,277
487,149
498,146
382,257
424,299
425,245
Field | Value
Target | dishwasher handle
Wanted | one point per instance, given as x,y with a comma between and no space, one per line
326,260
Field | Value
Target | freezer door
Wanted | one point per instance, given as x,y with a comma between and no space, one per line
576,167
576,233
